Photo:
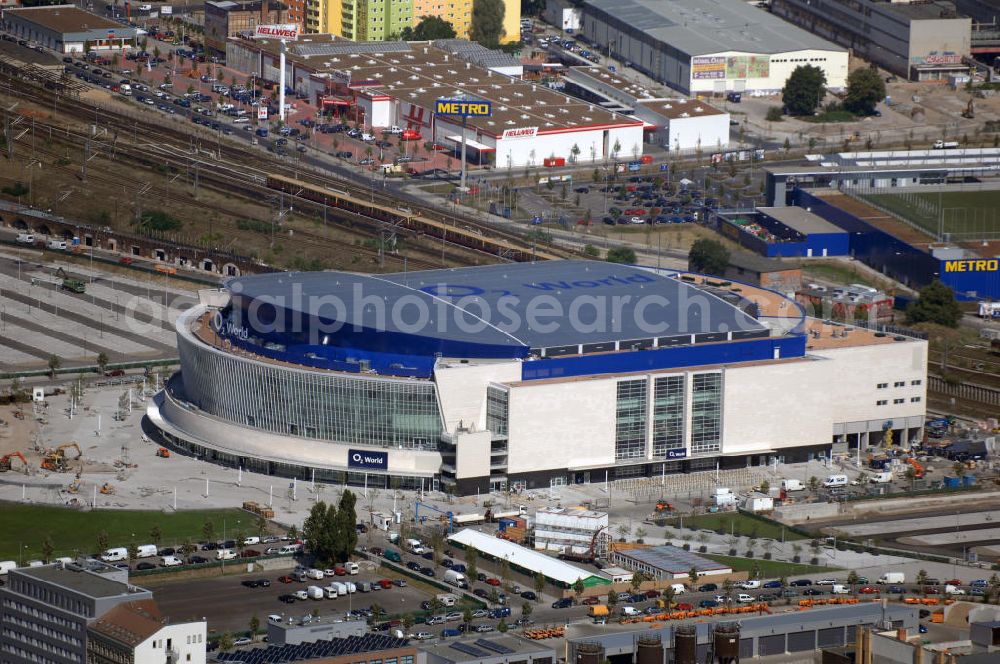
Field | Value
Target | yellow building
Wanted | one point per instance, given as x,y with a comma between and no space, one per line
459,14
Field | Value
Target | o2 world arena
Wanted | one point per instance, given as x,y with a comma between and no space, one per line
523,376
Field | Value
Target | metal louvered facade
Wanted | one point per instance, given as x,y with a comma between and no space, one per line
341,408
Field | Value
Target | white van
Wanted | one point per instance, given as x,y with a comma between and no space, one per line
6,566
251,540
172,561
145,551
315,592
792,485
835,481
839,589
115,555
225,554
125,89
58,245
314,573
630,611
26,238
883,477
331,592
750,584
679,588
352,568
288,549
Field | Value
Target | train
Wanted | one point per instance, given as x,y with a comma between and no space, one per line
401,217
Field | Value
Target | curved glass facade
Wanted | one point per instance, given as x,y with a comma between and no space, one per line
319,405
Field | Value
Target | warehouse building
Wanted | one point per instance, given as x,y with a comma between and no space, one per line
381,84
785,232
497,649
709,46
68,29
666,563
922,41
673,123
799,633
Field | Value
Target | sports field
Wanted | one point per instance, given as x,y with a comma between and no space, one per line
73,531
965,215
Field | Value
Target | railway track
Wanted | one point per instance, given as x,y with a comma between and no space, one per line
236,172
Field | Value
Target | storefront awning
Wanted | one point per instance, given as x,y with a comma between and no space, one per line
475,145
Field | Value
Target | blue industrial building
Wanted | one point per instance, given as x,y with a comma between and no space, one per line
785,232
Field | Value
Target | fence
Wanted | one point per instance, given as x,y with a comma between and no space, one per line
967,391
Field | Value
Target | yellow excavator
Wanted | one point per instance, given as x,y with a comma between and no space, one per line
107,489
56,459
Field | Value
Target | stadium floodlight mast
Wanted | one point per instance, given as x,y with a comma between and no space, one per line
284,33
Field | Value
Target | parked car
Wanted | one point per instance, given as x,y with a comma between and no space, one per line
287,599
590,601
527,594
562,603
708,588
801,582
773,584
493,581
868,590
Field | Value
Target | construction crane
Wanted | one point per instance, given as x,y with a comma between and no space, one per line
56,460
445,515
589,555
5,462
918,468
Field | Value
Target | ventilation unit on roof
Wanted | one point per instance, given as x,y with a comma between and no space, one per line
414,77
468,65
421,90
524,116
453,72
699,109
685,114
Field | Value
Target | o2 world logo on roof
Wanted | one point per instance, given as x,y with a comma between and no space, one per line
463,108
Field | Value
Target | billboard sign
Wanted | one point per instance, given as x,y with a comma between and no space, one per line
758,66
166,9
463,108
977,265
736,66
708,67
936,58
367,460
523,132
262,112
677,454
285,31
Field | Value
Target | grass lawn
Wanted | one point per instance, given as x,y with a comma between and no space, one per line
26,526
830,116
966,214
837,273
739,524
769,569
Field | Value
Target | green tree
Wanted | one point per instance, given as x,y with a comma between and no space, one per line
254,626
693,576
539,581
226,641
612,598
708,257
471,555
208,531
48,549
293,532
668,596
526,610
188,547
320,532
578,588
103,541
804,90
852,581
133,551
486,26
865,89
636,581
936,304
813,483
774,114
54,364
428,29
467,619
102,362
591,251
502,626
624,255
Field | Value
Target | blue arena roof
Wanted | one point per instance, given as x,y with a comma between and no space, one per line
499,311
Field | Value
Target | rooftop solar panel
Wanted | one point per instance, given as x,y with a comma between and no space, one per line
469,650
494,646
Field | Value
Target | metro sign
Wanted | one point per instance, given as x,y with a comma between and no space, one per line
286,31
462,108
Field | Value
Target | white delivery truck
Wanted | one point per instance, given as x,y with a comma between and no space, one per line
57,245
315,592
145,551
630,611
455,578
25,238
892,577
835,481
792,485
172,561
225,554
883,477
953,590
115,555
839,589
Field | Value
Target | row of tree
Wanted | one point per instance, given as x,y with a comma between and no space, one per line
486,26
805,88
331,530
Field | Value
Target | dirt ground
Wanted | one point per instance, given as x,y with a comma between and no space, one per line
51,168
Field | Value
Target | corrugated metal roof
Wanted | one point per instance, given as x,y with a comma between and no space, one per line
672,559
533,561
699,27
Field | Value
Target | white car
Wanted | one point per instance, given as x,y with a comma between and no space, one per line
301,594
422,636
826,582
243,641
744,598
274,617
751,584
329,572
